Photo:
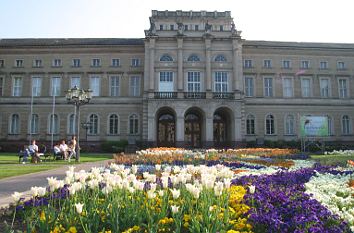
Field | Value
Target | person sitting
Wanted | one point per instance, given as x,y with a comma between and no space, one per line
33,149
24,154
64,149
57,152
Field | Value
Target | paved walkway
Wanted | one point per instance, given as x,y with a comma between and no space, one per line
24,183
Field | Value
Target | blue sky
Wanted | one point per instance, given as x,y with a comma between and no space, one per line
279,20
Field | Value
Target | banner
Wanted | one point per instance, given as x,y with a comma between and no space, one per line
313,126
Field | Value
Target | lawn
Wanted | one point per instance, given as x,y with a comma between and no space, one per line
9,165
335,160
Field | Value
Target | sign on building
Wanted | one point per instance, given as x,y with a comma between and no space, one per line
313,126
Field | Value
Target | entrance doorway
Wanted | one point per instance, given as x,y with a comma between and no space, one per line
221,128
166,129
192,132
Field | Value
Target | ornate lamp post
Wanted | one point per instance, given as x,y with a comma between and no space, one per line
78,97
86,126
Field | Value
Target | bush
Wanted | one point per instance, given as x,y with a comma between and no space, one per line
114,146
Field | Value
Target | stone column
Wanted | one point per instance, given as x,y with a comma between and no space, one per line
146,67
237,65
180,64
180,131
152,65
208,64
237,133
152,129
209,137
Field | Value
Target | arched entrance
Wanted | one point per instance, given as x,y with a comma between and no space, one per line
166,129
221,128
193,129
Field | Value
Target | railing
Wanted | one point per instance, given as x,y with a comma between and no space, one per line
165,95
194,95
223,95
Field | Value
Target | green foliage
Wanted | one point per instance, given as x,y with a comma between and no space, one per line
114,146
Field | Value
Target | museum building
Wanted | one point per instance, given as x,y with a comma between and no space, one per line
193,81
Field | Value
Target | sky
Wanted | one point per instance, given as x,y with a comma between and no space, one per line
271,20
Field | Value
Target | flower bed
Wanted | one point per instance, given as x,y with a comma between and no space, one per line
225,192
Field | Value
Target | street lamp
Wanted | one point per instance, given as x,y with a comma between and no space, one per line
78,97
86,126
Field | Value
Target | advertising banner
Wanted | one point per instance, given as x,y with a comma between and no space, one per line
313,126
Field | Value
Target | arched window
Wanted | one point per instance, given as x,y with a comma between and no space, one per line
53,124
166,57
193,58
289,125
269,124
93,119
71,124
34,127
133,124
15,124
250,124
113,124
346,125
220,58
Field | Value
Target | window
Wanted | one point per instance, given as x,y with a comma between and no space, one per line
221,28
75,81
289,125
135,62
305,64
249,86
306,87
250,125
220,81
113,124
323,65
53,124
166,58
346,125
220,58
37,63
330,125
76,62
325,87
96,62
15,124
133,124
172,27
93,129
193,81
114,85
193,58
268,87
2,63
343,89
134,86
186,27
340,65
286,64
269,125
2,86
161,27
19,63
196,27
287,87
115,62
71,124
166,81
55,90
57,63
248,63
34,124
267,63
36,86
95,85
17,86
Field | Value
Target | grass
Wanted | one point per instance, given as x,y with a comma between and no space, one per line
340,160
9,165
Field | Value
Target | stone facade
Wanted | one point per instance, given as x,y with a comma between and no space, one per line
192,81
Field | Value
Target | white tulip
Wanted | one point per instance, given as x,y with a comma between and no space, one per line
174,209
175,193
157,167
151,194
16,196
252,189
78,207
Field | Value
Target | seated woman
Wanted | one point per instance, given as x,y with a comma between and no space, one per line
33,149
64,149
57,152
